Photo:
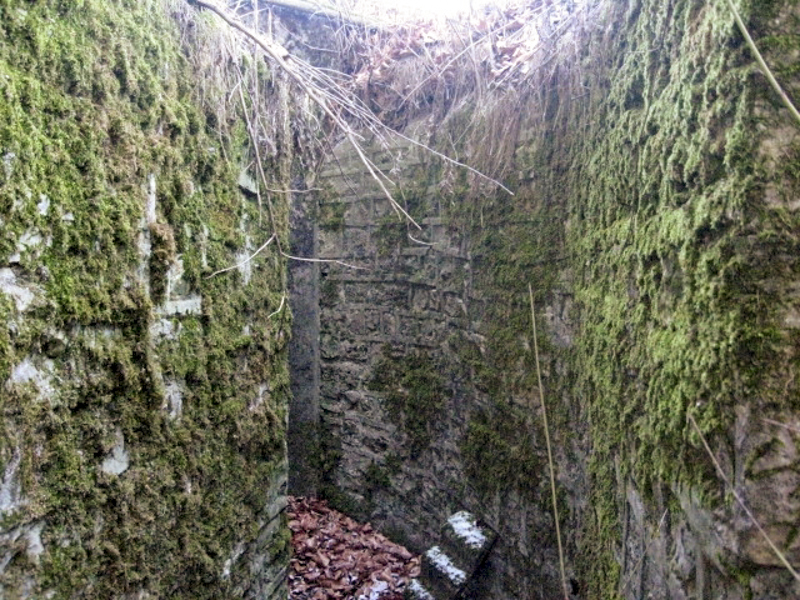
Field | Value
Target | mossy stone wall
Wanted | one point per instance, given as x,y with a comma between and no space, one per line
142,446
655,218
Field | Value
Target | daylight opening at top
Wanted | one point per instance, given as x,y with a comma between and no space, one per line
415,8
439,7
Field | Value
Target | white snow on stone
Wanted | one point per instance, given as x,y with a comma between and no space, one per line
244,266
263,392
466,527
204,247
189,305
29,239
226,568
174,398
419,592
150,207
162,328
8,163
445,565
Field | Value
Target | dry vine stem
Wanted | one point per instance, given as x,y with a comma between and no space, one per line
779,424
549,449
245,261
320,96
781,556
280,308
762,63
327,93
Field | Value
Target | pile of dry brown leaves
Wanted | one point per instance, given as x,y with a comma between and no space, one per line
335,558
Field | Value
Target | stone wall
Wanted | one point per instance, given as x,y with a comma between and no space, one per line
654,173
415,422
142,435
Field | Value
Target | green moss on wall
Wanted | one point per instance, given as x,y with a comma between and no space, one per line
498,452
331,216
667,243
414,393
645,194
100,107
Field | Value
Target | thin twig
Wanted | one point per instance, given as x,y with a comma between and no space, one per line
280,308
287,63
323,90
452,161
781,556
420,242
438,72
549,449
323,260
779,424
767,71
244,262
308,191
253,134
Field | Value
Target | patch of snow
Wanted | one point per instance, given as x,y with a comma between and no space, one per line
244,266
27,372
466,527
247,182
226,568
8,163
204,247
30,240
150,209
144,247
190,305
174,397
419,592
163,328
263,391
442,562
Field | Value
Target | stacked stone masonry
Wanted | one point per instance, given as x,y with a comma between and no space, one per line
655,181
144,403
